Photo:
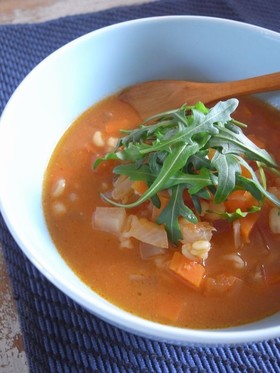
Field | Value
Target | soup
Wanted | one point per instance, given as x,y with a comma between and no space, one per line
218,269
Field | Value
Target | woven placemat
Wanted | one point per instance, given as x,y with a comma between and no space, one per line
59,335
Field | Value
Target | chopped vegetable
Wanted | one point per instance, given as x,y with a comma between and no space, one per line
109,219
236,233
246,226
195,232
195,149
139,187
148,251
147,231
122,188
240,199
221,284
188,270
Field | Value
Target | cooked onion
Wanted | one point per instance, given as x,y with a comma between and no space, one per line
147,251
146,231
109,219
195,232
122,189
236,234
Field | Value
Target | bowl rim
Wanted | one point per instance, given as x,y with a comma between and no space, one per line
138,325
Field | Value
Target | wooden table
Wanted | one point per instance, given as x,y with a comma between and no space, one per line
30,11
12,355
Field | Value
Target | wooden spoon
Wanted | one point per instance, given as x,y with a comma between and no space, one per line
156,96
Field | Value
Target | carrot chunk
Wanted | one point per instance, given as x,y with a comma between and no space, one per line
190,271
240,199
247,224
139,186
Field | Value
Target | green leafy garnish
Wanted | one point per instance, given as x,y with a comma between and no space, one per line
171,151
174,209
231,216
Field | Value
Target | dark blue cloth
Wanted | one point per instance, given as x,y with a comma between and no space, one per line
59,335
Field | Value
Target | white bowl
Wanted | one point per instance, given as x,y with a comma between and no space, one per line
80,74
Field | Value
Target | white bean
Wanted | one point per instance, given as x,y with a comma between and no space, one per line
59,208
236,260
97,139
58,188
73,197
112,142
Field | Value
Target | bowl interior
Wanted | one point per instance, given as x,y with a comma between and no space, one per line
82,73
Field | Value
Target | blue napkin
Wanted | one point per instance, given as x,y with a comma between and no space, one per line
59,335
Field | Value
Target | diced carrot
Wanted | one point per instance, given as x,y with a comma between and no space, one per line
190,271
139,186
247,224
114,126
240,199
169,307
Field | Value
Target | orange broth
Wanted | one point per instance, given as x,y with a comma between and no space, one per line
144,287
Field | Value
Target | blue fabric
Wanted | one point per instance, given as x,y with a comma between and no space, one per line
59,335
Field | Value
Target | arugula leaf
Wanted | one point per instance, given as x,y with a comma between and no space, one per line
174,209
171,151
235,142
135,172
231,216
173,162
256,188
227,167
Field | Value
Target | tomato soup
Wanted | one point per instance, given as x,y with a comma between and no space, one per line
236,278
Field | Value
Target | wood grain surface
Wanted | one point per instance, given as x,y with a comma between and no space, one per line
30,11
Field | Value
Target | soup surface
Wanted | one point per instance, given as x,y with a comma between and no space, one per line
240,280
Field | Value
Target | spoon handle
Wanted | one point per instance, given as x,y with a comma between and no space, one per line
269,82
